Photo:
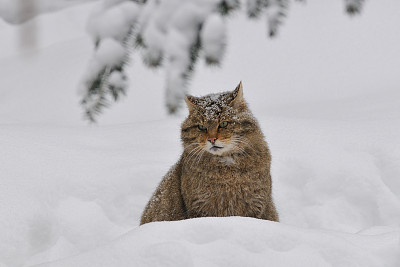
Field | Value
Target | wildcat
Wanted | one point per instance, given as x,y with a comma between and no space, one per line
224,169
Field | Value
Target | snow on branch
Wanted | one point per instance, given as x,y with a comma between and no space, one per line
171,34
213,37
168,33
105,77
111,26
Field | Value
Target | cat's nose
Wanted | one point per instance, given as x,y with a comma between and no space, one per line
212,139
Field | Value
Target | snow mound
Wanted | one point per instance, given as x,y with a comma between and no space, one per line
238,241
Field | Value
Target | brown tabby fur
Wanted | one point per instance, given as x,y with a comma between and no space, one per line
231,179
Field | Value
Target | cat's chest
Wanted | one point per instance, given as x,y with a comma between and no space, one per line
224,192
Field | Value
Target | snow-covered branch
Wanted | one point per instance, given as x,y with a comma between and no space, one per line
167,33
171,34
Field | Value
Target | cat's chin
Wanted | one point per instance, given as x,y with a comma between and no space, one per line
219,150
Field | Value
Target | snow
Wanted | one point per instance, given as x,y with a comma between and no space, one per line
185,22
168,33
71,194
117,80
110,53
238,241
112,19
213,38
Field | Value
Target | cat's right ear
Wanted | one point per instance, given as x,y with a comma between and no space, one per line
190,103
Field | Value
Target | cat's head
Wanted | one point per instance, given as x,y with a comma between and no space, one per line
220,124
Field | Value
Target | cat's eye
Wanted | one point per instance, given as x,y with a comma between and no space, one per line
202,127
223,124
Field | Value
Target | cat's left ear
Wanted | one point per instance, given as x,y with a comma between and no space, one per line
238,99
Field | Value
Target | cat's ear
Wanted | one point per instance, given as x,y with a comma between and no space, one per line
190,102
238,99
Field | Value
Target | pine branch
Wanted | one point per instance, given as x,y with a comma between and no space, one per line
176,89
95,99
276,11
194,52
225,7
177,41
213,39
107,85
139,43
353,7
255,7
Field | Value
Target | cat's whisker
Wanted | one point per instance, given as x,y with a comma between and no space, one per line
192,144
249,143
197,159
241,149
237,143
243,141
201,155
192,153
193,149
239,138
198,156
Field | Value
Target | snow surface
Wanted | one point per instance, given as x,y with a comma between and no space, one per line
72,194
238,242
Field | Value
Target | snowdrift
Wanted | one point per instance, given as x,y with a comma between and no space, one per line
66,190
238,241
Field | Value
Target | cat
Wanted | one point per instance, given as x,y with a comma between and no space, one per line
224,169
